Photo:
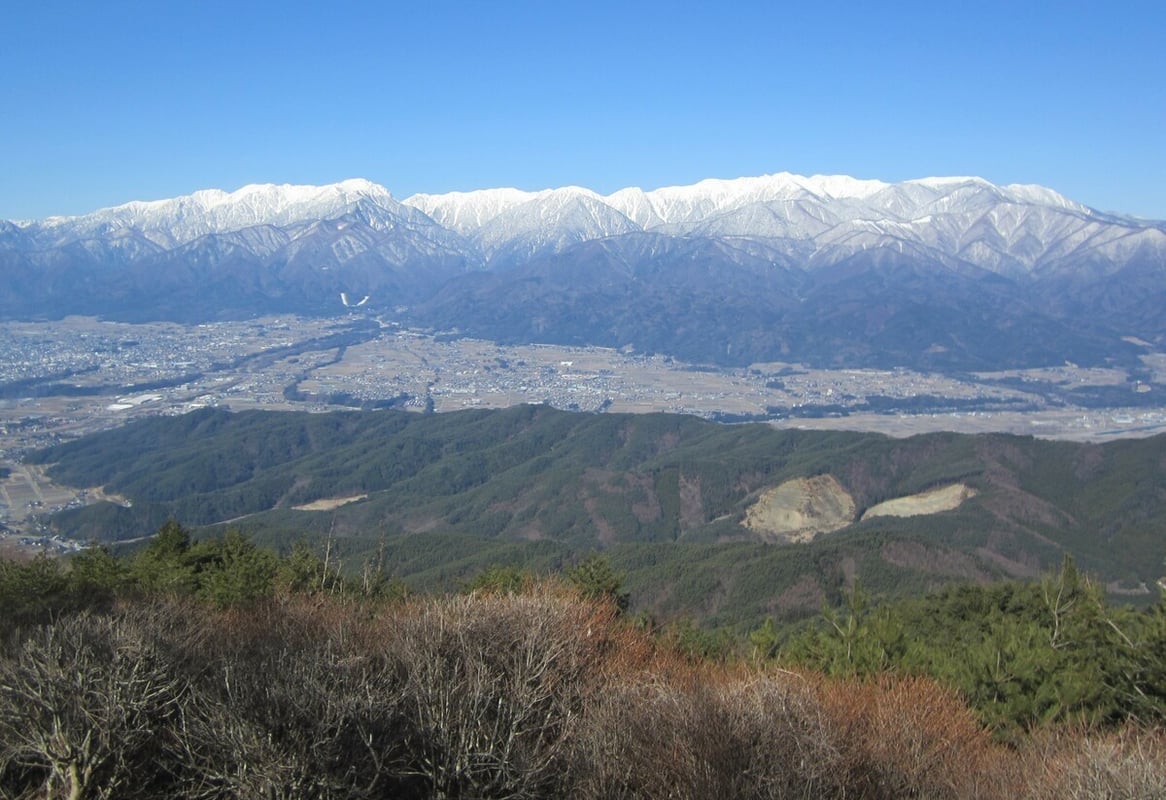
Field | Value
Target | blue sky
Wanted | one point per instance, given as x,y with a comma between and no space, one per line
106,102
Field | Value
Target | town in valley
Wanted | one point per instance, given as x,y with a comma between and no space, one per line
63,379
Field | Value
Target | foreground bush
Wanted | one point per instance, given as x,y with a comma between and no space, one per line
705,735
493,688
289,702
1127,764
89,707
909,737
544,693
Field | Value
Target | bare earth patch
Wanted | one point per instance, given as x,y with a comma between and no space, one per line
97,493
800,509
329,503
945,498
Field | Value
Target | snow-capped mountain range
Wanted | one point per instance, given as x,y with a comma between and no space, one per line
1008,229
766,246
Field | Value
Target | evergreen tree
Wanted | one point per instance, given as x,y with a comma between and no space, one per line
595,578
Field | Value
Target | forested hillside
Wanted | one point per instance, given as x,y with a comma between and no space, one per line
691,510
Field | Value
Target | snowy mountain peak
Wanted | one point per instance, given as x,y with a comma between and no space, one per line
1000,228
948,182
182,219
1018,193
362,185
712,196
778,186
1041,195
466,212
837,186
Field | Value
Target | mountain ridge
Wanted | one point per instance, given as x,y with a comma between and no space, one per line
715,195
773,267
528,478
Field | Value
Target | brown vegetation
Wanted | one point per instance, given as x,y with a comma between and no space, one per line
909,737
540,693
1083,765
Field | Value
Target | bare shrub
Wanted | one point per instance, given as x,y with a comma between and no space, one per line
291,704
542,694
1129,764
87,706
493,687
704,735
909,737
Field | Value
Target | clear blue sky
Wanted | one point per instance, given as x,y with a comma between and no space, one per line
106,102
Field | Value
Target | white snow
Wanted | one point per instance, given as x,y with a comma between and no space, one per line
182,219
1003,228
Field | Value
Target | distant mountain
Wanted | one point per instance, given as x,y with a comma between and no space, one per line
952,273
212,255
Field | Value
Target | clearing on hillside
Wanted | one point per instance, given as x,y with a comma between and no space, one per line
800,509
329,503
933,501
